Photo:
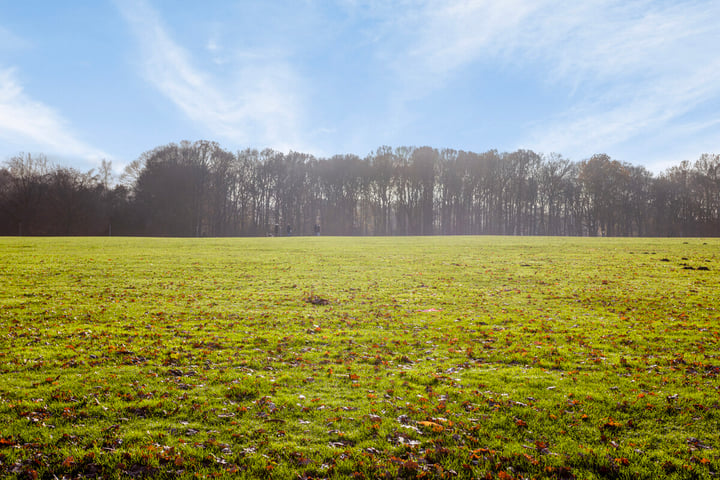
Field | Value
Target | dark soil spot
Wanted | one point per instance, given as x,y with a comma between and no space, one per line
316,300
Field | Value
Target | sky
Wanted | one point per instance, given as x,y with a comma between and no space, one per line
86,80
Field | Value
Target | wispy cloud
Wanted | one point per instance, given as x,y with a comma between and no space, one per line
629,68
589,41
32,123
653,108
639,70
255,103
9,41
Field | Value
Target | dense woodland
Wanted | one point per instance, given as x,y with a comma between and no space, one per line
201,189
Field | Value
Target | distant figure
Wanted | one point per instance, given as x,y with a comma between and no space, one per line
317,229
288,230
277,230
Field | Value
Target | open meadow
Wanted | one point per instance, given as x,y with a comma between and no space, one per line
314,357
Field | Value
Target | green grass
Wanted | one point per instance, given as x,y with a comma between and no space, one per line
436,357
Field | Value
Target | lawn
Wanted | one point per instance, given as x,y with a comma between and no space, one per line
315,357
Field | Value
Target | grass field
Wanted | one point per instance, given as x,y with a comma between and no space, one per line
435,357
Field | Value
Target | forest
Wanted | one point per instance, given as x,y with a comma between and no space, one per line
198,188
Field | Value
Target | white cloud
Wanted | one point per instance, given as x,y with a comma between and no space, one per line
643,71
11,42
653,107
257,103
29,123
594,39
630,68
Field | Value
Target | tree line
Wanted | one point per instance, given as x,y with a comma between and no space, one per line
201,189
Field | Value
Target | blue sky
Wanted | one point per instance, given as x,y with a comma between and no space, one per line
83,80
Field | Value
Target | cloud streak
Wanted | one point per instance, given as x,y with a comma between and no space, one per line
10,42
638,74
255,103
23,119
629,68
